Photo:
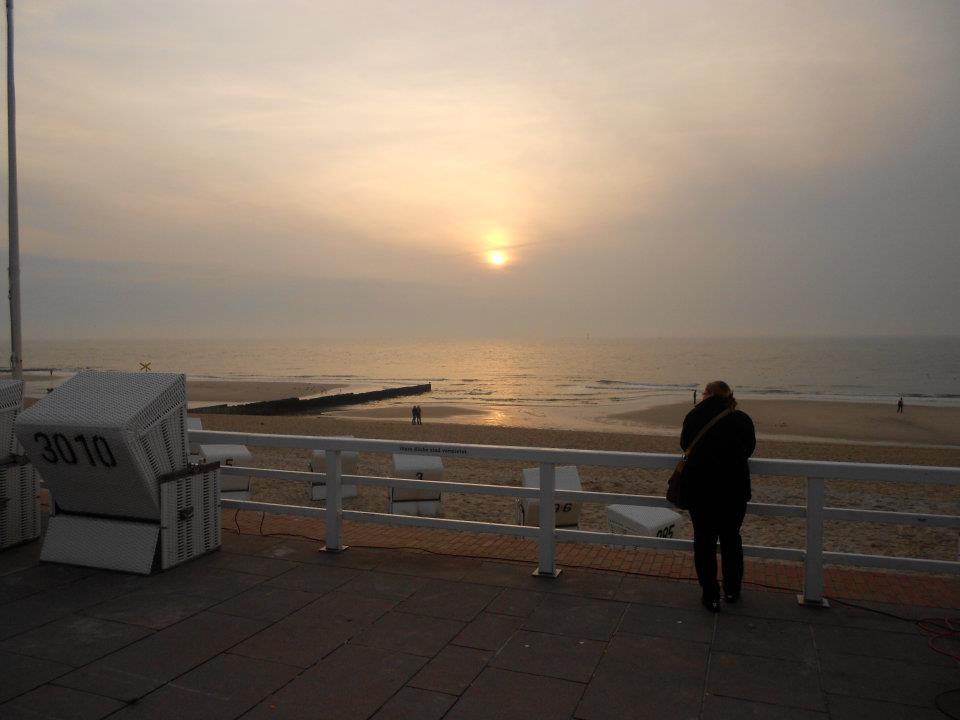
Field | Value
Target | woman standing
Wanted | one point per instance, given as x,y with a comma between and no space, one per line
717,478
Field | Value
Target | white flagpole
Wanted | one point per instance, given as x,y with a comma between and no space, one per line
16,356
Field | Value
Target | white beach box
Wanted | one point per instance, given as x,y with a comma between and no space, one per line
234,487
349,462
641,520
19,484
425,503
567,513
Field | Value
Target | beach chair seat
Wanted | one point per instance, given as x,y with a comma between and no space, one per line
407,501
567,513
349,462
642,520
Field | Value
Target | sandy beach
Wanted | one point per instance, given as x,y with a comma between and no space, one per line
850,537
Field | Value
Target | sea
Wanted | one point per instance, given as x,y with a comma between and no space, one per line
573,372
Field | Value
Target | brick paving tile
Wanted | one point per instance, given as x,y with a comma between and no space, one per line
577,616
50,702
844,707
768,680
716,707
75,640
659,591
137,669
21,673
744,635
876,678
646,677
265,602
415,704
151,609
219,689
504,695
253,564
312,632
696,625
456,601
877,643
488,631
406,632
24,583
513,601
314,578
558,656
384,585
452,670
349,684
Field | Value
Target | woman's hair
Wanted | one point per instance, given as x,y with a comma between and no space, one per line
718,388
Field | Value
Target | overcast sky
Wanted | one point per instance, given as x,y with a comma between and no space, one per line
309,168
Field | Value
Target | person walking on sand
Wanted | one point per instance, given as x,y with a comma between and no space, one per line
694,396
900,405
419,415
413,417
717,476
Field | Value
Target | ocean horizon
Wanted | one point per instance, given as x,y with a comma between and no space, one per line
571,372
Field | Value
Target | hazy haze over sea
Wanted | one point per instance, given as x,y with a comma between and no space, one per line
573,372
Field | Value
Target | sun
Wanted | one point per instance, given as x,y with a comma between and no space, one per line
497,258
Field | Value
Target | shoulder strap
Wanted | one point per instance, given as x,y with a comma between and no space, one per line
717,418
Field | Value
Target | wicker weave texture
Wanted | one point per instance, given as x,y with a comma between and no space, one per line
102,440
19,505
11,401
191,518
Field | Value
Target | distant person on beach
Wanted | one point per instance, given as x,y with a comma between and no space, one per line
417,415
413,416
717,475
900,405
694,396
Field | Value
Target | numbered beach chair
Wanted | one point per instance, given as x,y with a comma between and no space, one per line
112,448
642,520
19,482
425,503
235,487
349,461
567,513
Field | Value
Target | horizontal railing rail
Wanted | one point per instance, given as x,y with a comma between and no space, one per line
814,472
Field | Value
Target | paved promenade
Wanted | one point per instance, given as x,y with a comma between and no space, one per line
271,628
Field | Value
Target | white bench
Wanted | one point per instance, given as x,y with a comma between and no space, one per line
405,501
567,513
641,520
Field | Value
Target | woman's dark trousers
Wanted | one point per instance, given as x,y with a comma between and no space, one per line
709,525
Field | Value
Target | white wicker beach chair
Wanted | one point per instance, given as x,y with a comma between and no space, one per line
19,483
349,462
112,448
425,503
235,487
567,514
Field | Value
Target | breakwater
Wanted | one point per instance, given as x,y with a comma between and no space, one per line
300,406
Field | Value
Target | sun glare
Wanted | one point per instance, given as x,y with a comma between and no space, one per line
497,258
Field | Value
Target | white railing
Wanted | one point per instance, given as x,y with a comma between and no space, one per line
815,473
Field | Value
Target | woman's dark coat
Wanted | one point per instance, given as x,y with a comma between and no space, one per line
717,472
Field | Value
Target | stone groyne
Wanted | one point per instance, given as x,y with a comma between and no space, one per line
298,406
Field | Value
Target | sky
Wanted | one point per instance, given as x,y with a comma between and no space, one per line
231,169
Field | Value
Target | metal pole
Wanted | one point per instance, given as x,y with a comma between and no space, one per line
547,541
813,558
334,514
16,349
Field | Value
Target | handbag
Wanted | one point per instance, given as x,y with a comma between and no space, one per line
676,486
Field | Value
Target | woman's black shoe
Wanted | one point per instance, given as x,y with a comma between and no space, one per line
711,604
731,598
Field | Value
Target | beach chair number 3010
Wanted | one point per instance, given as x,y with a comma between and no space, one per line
566,507
60,449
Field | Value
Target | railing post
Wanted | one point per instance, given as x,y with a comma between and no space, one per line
547,540
813,557
334,507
